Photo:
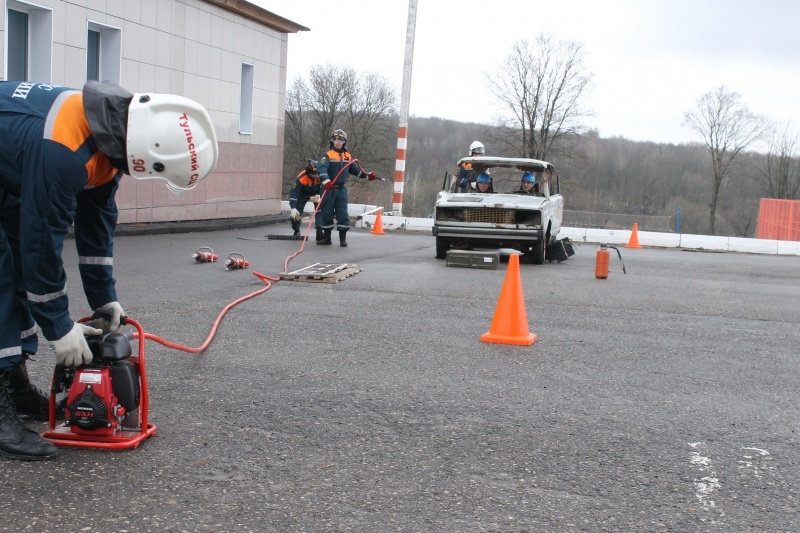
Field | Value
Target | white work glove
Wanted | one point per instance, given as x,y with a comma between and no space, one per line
295,214
110,323
72,349
314,199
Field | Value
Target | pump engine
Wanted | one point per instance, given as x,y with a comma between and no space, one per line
101,397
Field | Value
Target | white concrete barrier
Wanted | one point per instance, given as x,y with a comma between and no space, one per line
354,210
590,235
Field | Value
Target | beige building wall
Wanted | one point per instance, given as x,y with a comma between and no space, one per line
195,48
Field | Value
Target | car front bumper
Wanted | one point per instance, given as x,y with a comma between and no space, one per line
488,234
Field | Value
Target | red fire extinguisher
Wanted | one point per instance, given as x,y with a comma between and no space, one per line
603,257
202,256
236,260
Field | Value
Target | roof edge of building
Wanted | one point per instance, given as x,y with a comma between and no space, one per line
259,14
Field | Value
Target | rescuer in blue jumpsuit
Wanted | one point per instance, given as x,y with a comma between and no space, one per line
334,167
483,183
307,187
527,185
62,154
465,173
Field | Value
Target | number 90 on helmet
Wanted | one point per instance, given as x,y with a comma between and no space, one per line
172,138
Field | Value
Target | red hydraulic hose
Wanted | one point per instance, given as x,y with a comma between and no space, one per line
266,279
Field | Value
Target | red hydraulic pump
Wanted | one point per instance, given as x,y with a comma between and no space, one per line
105,403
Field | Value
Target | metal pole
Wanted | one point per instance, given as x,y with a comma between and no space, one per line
405,96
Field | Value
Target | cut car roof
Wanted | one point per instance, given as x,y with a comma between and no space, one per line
519,163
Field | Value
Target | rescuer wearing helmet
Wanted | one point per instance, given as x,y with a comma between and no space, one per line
483,183
465,173
527,184
62,155
334,167
306,188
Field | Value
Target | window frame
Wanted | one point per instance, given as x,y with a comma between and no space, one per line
109,51
39,45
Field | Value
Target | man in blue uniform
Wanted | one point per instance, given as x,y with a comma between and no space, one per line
306,188
62,154
483,183
527,184
334,167
465,174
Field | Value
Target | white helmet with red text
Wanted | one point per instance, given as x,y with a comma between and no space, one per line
172,138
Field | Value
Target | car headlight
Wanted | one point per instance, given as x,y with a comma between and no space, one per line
450,214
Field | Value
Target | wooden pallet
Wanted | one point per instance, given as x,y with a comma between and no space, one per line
322,273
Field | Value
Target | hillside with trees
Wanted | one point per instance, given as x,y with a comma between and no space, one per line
604,175
715,184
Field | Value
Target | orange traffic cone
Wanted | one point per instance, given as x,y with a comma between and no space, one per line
377,229
510,322
634,242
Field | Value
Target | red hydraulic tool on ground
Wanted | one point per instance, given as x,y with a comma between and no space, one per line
204,254
235,261
105,403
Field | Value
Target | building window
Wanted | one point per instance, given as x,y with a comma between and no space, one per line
246,100
93,56
29,42
17,45
103,53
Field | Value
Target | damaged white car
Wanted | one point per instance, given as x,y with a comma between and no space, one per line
526,220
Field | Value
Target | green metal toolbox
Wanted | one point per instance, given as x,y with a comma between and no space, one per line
470,259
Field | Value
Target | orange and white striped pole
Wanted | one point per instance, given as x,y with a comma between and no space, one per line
400,170
405,97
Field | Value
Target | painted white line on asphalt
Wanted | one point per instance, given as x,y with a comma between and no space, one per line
750,460
706,482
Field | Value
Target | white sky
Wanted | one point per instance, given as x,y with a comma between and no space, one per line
651,59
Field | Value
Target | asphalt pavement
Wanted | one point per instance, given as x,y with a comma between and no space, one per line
664,399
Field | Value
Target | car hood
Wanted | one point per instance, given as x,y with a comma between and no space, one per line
490,200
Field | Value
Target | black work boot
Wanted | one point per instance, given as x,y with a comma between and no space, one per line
342,237
30,400
16,440
326,237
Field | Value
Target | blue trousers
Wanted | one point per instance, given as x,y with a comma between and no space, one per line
17,327
334,204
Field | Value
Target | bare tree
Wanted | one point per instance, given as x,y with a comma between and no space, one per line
727,127
782,169
364,105
541,86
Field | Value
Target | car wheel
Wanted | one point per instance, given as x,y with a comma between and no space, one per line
537,253
442,245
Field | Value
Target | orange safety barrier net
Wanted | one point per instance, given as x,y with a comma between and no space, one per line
779,219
